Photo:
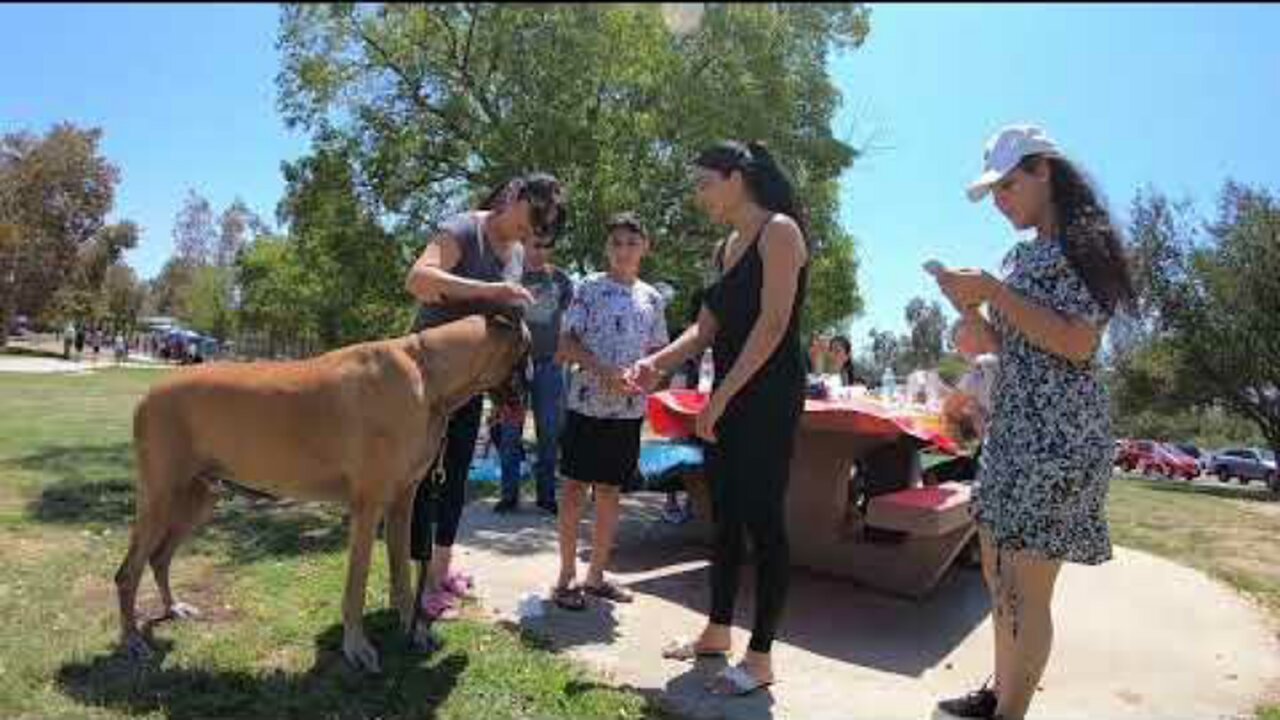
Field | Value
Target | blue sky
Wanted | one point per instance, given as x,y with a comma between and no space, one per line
185,95
1181,96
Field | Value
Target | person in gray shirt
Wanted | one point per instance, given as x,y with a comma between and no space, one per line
552,290
471,265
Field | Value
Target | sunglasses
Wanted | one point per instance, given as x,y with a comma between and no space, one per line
546,217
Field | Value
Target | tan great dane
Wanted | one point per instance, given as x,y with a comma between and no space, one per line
360,425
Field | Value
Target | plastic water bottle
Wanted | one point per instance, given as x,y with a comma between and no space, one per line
888,385
706,373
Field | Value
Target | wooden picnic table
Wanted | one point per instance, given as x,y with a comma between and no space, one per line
903,543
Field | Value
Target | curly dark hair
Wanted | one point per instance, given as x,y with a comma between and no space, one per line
1089,239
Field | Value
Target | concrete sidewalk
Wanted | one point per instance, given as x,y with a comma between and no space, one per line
41,365
1139,637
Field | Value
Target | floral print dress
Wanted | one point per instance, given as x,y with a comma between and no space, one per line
1046,462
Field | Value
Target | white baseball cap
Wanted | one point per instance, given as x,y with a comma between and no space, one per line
1005,150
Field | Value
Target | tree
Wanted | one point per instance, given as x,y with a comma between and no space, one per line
925,341
440,102
166,294
1213,302
10,249
356,267
194,234
274,287
237,224
55,193
123,296
886,352
207,300
83,297
1159,233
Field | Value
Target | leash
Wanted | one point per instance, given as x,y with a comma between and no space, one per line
435,481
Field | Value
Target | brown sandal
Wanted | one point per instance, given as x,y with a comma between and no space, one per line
569,598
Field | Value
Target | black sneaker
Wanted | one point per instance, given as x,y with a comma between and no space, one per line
550,507
506,505
980,703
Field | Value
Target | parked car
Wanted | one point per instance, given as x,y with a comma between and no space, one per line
1153,458
1177,463
1245,464
1188,449
1203,457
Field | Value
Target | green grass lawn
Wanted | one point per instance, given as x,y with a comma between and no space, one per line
268,577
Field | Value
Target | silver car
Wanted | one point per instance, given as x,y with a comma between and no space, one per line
1245,464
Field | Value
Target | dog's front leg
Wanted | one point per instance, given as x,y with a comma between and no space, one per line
399,525
355,644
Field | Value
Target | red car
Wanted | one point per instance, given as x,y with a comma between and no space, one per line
1153,458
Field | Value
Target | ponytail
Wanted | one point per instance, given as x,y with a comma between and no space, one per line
766,181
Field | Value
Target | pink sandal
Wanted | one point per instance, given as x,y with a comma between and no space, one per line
459,585
440,606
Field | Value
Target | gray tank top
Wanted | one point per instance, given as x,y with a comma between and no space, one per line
476,262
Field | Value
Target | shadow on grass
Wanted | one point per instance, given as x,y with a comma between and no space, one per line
411,684
92,485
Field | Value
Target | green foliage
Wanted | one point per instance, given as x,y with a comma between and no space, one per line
208,300
1210,325
122,295
435,104
55,193
951,367
352,288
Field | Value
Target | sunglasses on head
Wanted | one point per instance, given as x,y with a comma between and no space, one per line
546,217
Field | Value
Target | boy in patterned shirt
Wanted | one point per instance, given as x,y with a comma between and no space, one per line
615,319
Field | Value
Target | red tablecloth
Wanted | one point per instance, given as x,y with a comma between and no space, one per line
672,414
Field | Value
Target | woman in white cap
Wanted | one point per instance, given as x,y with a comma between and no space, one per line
1046,462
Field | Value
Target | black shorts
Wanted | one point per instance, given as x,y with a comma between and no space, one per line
601,451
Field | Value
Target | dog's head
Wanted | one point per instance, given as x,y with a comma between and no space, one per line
507,376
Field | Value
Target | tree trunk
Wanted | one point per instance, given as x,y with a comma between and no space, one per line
6,312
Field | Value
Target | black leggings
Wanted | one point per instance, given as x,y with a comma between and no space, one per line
443,505
750,478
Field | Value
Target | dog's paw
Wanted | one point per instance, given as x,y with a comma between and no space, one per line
182,611
361,654
135,647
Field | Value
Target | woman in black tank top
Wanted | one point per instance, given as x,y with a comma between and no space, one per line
750,317
460,273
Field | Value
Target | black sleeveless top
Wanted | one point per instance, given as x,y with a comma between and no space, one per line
777,387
